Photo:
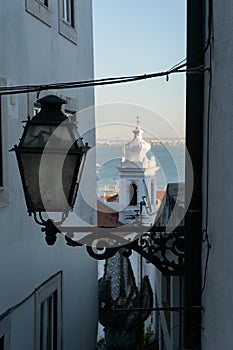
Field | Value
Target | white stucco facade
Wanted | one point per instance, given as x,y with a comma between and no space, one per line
35,52
217,295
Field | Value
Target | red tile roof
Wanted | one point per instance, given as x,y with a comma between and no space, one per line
160,194
106,216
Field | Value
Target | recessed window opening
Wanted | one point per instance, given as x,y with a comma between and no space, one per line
5,334
48,316
49,323
40,9
68,12
2,341
44,2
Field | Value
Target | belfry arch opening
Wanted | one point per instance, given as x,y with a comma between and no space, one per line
133,192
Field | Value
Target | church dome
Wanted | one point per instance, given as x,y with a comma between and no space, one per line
138,147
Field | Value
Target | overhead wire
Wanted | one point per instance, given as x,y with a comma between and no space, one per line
179,68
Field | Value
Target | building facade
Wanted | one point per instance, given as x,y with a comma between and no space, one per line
46,303
217,283
208,284
168,289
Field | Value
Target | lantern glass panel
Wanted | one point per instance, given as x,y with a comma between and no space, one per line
49,182
29,165
37,136
71,170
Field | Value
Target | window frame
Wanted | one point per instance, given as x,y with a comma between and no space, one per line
45,2
68,12
68,29
5,329
40,10
43,294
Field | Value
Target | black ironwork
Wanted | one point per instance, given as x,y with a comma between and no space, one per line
49,227
162,247
50,139
164,250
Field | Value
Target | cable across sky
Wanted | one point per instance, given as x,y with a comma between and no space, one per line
99,82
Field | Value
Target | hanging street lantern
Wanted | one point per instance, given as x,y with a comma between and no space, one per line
50,158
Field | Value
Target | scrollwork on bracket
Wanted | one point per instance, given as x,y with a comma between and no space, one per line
163,249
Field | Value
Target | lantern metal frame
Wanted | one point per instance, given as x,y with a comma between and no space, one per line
50,117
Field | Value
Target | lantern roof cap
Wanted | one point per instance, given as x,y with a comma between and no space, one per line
51,100
50,110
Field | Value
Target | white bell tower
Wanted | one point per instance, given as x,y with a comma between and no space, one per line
137,181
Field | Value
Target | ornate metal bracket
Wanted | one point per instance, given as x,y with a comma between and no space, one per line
163,250
162,247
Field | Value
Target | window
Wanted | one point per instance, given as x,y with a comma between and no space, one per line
68,11
5,334
67,19
48,315
48,322
39,9
2,340
45,2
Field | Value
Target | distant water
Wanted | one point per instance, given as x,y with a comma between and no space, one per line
170,159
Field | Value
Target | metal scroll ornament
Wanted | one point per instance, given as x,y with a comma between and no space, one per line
163,249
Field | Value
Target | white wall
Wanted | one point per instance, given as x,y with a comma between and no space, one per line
33,53
217,297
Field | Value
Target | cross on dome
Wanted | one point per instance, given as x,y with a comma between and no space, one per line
138,147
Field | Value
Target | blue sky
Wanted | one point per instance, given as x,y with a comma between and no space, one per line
135,37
